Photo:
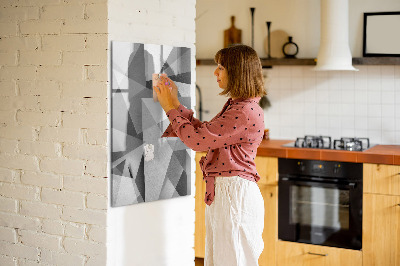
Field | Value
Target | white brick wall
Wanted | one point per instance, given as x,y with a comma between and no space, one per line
53,121
53,126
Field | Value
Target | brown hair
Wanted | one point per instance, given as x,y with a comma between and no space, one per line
245,78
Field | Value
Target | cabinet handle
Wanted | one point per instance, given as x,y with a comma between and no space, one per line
318,254
398,204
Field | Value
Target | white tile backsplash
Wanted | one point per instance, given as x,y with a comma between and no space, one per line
397,111
374,83
348,96
388,83
374,97
361,124
397,95
361,110
374,123
322,108
335,95
347,122
387,71
347,110
397,123
322,121
374,110
364,103
375,136
322,95
310,109
388,97
397,72
387,124
387,110
360,97
389,135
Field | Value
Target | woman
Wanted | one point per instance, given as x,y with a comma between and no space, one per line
235,207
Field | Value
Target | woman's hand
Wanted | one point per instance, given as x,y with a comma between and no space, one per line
174,91
164,94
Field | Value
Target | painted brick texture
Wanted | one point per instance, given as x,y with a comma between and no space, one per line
53,132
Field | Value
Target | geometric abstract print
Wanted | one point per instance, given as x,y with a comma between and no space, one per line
144,166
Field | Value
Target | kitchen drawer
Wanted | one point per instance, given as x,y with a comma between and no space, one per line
267,168
381,230
381,179
298,254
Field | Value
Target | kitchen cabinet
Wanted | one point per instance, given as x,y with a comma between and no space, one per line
381,230
267,168
381,179
270,233
200,207
298,254
381,215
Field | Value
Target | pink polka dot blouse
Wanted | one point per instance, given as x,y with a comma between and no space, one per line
231,139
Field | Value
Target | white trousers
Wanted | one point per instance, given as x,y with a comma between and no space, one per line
234,223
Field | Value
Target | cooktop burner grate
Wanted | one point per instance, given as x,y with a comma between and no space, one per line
325,142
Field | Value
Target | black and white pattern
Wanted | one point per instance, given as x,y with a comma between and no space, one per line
145,167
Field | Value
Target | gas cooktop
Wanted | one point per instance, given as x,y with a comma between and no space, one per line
325,142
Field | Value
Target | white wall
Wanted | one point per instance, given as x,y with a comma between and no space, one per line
338,104
161,232
299,18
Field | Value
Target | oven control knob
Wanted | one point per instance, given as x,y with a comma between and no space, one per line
302,167
336,169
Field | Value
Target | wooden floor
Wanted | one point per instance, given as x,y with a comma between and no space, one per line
199,262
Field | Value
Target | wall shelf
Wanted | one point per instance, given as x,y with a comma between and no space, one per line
266,63
376,61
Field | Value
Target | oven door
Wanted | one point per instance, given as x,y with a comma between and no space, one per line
321,212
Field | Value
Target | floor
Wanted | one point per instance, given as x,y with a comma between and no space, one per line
198,261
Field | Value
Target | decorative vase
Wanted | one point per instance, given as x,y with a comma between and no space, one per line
290,49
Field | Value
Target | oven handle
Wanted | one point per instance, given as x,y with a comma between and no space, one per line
297,181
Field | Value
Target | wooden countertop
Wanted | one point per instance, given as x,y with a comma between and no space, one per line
379,154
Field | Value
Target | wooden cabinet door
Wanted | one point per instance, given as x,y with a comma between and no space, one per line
298,254
267,168
200,207
381,179
270,233
381,230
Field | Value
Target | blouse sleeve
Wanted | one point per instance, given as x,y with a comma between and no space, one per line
224,130
186,113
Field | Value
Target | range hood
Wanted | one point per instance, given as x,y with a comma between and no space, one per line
334,51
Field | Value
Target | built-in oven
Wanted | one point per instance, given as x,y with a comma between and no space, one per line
320,202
